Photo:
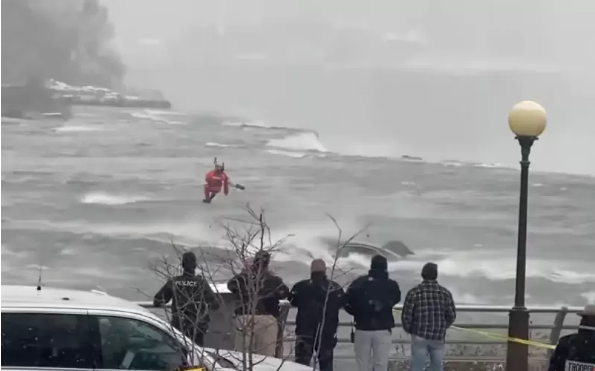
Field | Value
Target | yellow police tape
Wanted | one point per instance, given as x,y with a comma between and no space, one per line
503,337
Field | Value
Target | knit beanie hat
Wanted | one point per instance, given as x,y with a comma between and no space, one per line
429,271
318,265
379,263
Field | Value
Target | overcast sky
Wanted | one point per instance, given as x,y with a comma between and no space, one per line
517,50
547,31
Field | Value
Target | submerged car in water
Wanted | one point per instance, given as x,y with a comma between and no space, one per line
392,250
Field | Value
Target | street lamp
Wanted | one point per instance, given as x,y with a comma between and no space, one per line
527,120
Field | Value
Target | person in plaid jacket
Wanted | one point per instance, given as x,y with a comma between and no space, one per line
429,310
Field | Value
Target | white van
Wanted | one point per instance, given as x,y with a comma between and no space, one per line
51,328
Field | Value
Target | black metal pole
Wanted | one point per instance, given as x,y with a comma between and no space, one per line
517,355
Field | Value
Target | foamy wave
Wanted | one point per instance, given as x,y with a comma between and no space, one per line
78,128
467,299
489,166
6,252
107,199
452,163
184,232
464,264
149,116
298,142
590,296
499,269
165,113
254,124
213,144
10,120
287,153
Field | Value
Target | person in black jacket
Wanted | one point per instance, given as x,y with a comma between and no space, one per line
257,293
576,352
191,297
370,300
318,301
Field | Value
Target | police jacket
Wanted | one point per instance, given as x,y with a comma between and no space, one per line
191,297
575,352
315,298
263,290
370,300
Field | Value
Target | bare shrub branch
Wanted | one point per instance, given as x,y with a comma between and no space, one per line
246,240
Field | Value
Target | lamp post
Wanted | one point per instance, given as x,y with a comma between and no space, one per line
527,120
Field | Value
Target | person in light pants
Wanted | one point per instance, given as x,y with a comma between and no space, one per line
373,348
259,332
257,292
370,300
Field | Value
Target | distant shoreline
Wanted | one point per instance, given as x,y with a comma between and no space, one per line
54,100
97,96
128,103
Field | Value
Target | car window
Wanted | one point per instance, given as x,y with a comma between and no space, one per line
136,345
46,340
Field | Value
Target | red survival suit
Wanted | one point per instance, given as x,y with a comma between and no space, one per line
215,180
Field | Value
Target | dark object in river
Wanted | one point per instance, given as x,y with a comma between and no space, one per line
414,158
392,250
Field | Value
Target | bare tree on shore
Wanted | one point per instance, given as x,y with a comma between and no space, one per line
244,240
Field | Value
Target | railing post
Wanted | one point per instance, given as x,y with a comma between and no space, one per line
284,312
557,329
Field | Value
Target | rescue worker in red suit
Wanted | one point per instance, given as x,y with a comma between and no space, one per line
215,180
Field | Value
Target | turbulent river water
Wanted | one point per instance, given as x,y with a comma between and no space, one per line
97,199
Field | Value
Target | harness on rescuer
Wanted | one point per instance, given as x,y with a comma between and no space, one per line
217,180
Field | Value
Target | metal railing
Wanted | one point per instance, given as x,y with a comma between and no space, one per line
555,328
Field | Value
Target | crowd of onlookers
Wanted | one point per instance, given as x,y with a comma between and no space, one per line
428,311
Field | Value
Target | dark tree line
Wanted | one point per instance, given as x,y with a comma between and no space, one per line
68,40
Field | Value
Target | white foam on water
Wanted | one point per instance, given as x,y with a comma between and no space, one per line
490,166
368,150
151,116
10,120
452,164
287,153
467,299
102,198
590,296
465,264
9,253
213,144
307,141
305,241
78,128
469,264
164,113
185,232
254,124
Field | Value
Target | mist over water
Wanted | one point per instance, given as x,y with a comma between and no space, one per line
111,189
382,79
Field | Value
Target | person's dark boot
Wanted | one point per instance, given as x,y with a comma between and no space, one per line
207,201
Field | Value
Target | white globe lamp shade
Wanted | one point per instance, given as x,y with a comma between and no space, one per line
527,119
